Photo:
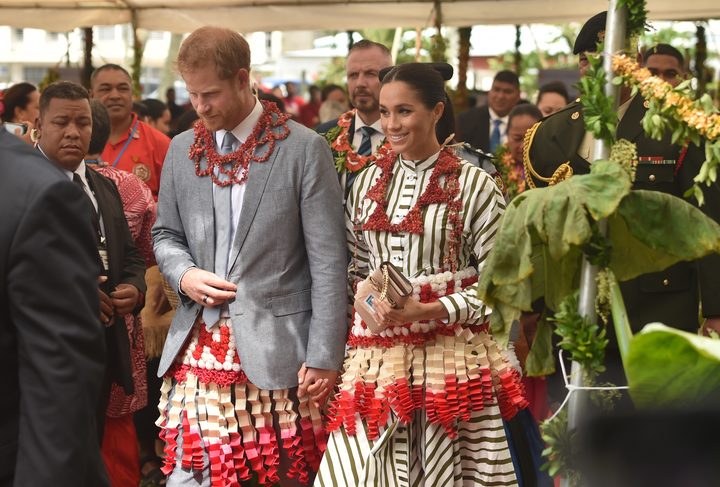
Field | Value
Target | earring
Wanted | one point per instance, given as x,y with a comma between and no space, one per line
34,137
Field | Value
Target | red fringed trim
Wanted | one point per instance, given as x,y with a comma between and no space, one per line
511,395
169,437
456,402
269,454
292,444
220,377
238,457
308,443
400,398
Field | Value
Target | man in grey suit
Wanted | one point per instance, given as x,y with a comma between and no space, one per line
250,232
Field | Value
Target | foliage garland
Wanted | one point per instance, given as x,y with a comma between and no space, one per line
513,175
674,110
586,341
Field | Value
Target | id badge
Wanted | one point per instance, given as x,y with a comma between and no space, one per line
104,258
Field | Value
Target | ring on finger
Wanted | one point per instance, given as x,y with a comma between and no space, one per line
205,299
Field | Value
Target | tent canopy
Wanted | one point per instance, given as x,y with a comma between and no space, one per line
270,15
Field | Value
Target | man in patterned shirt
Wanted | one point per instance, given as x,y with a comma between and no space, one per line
134,146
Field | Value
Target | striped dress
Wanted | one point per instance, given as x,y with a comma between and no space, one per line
423,403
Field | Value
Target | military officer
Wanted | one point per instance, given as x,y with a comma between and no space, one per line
673,296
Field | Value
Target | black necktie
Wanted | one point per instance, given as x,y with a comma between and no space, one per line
95,217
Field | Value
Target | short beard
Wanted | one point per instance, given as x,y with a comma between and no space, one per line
369,110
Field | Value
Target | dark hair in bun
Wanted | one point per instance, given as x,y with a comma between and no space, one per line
428,80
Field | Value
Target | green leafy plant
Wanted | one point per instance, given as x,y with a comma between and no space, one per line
583,340
598,110
559,448
670,368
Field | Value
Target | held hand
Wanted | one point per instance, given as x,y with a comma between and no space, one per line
414,310
207,288
711,324
316,383
125,298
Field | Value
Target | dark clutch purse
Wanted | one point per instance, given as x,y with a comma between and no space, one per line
389,284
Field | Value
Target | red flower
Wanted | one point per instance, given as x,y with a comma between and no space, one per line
258,147
448,165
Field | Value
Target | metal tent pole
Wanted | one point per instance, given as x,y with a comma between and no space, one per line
614,42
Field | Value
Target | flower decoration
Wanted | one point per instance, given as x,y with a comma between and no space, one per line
339,138
224,169
447,165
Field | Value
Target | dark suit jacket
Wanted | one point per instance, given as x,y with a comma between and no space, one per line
324,128
473,127
52,345
126,267
673,295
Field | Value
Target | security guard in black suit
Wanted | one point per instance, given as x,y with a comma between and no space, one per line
672,296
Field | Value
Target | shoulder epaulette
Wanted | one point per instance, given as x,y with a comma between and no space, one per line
563,172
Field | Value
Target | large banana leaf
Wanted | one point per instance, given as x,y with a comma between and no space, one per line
669,368
537,251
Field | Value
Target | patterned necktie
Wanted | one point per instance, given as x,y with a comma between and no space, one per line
495,136
365,148
222,208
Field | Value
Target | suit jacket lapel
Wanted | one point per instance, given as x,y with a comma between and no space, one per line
483,129
254,188
203,197
630,127
105,204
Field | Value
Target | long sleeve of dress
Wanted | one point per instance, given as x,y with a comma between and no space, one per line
483,207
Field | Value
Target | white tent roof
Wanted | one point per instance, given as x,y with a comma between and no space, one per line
269,15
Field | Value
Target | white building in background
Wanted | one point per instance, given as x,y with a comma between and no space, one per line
27,54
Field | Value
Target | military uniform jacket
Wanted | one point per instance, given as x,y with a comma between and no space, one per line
672,296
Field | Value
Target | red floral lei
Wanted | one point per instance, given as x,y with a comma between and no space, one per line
448,165
271,127
342,146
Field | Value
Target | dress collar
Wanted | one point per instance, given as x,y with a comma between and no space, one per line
419,166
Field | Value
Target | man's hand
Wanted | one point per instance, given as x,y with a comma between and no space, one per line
207,288
316,383
711,324
125,298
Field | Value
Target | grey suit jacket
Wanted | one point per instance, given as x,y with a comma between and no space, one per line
288,257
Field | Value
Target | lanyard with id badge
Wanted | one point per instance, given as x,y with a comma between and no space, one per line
101,244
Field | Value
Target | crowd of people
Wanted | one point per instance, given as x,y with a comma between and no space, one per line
291,282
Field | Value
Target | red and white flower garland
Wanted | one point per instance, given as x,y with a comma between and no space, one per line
447,165
270,128
353,161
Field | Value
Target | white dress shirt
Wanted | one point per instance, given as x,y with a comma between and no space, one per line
503,125
375,139
241,133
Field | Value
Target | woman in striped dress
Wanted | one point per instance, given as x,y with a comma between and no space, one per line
423,402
